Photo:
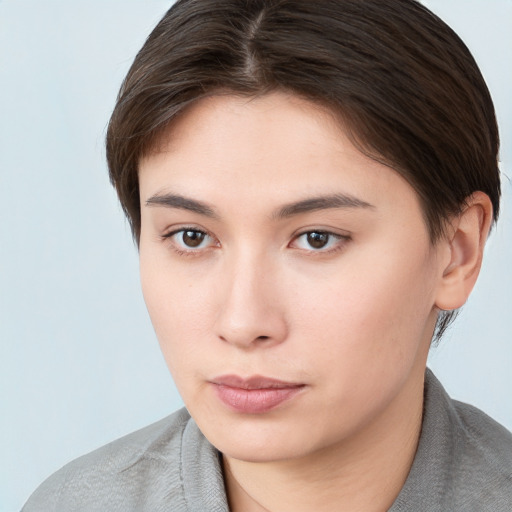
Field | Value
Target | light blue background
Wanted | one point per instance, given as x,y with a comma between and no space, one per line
79,363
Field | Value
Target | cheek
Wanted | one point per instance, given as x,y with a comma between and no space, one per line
354,325
179,311
371,320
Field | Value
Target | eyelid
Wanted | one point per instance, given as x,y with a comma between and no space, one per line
342,239
168,235
174,231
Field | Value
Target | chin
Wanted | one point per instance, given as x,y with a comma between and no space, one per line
259,450
259,439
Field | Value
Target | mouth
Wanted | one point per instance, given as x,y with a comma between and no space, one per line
254,395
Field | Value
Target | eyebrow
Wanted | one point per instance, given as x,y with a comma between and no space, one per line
321,203
182,203
289,210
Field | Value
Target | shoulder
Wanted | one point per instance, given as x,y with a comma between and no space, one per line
484,449
140,468
463,461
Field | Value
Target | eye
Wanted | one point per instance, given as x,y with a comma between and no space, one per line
189,239
319,241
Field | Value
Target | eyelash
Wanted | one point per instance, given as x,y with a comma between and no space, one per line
339,246
185,252
341,241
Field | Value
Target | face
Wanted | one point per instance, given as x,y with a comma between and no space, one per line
289,278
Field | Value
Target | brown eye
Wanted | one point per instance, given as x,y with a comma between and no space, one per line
192,238
317,240
320,241
190,241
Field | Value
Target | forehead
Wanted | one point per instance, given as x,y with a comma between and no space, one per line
265,151
277,122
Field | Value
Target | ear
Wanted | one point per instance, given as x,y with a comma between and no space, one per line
464,244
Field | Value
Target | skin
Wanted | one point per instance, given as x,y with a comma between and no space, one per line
351,321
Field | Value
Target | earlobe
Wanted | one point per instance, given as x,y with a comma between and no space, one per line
465,247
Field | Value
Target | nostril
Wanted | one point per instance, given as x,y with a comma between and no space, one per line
263,337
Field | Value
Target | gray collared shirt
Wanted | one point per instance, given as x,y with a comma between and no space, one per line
463,463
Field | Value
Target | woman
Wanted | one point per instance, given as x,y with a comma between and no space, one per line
311,185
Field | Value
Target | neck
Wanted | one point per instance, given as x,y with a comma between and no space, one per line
364,473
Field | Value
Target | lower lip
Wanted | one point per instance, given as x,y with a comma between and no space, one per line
255,401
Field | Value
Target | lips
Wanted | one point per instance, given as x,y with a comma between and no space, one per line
254,395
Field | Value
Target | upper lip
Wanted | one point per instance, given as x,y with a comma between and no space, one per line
253,382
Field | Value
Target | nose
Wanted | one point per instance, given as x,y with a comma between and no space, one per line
250,310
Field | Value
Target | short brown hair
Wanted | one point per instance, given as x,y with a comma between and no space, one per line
402,82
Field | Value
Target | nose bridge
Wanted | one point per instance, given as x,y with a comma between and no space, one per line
250,312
